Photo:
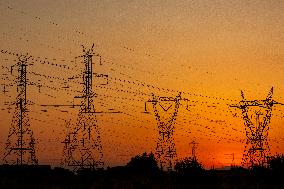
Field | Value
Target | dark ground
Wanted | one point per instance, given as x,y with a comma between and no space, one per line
142,172
123,177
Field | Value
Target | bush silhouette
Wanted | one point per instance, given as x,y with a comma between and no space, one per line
189,166
276,163
145,164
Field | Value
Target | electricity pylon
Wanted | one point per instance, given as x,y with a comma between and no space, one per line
66,149
256,148
82,145
193,145
165,150
232,155
20,146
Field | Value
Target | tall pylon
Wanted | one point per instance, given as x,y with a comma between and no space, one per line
20,145
165,150
256,148
83,147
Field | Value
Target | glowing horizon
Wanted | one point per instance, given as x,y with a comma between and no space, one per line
208,50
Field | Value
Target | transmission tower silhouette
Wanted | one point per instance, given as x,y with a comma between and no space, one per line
257,149
66,149
232,155
193,145
82,145
20,145
165,150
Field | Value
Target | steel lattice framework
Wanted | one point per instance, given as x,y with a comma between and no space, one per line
193,149
83,148
165,150
256,148
20,146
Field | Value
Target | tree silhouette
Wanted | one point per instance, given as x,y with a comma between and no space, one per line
276,164
145,163
189,166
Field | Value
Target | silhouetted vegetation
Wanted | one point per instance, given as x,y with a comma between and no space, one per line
142,172
276,165
189,169
189,166
144,164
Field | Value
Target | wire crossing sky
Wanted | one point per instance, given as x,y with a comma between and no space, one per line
207,50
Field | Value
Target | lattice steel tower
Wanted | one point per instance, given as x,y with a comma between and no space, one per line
256,148
165,150
83,148
193,145
20,146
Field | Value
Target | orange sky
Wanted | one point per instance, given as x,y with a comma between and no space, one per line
204,48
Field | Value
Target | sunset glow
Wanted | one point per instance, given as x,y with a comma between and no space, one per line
207,50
